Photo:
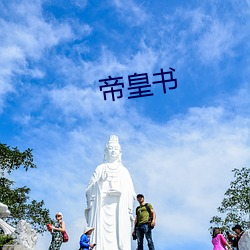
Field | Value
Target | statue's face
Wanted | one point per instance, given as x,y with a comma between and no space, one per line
113,150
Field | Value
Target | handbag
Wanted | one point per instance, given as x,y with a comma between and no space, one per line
65,236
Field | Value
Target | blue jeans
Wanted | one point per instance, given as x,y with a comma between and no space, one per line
142,230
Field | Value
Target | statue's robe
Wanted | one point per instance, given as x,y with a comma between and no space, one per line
110,197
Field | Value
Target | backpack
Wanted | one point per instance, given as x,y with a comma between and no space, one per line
149,212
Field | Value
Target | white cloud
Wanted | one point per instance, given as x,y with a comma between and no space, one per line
183,167
25,39
107,64
145,59
217,42
131,12
84,102
198,19
32,33
199,33
80,3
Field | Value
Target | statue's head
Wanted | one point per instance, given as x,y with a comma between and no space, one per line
4,211
113,150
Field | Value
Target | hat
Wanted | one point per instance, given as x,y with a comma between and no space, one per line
87,229
140,195
237,227
59,213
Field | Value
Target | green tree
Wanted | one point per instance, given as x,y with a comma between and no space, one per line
17,199
235,206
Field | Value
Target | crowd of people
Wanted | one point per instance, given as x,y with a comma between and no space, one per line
219,241
110,197
144,223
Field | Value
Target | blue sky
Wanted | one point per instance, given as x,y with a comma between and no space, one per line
179,147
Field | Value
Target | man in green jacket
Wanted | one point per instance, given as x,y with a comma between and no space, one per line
144,223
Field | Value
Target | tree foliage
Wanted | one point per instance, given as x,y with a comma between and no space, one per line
17,199
12,159
235,206
6,239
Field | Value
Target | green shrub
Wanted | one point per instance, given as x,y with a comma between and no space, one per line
6,240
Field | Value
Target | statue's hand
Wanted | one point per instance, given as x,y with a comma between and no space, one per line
132,217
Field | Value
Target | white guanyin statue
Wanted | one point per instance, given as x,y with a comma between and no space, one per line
23,234
110,197
4,212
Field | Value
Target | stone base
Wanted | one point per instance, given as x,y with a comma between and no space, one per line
13,247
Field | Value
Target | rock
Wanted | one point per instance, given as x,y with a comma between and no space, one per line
13,247
244,242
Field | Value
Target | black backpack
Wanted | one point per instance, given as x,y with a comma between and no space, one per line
150,218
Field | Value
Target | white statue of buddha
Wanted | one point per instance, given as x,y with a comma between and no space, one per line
110,197
4,212
25,237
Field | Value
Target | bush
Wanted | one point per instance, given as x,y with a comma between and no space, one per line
6,240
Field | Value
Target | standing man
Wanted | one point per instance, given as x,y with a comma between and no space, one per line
239,231
144,223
